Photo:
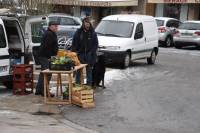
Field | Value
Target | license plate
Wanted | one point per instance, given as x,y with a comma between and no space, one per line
187,34
3,68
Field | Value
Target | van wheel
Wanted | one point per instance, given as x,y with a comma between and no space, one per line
168,41
178,47
152,58
8,84
126,61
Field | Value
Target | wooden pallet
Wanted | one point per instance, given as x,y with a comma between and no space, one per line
83,98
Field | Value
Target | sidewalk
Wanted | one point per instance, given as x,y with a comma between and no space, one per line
28,114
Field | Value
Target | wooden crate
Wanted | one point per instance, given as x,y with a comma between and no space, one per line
83,98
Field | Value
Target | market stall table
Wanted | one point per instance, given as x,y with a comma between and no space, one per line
47,98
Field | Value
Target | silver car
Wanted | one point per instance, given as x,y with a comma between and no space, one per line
188,34
166,28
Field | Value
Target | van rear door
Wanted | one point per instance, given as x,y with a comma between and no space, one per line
4,55
34,29
151,36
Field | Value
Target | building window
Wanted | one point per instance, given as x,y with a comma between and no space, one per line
172,10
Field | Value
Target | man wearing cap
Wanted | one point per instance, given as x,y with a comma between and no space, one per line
48,48
85,44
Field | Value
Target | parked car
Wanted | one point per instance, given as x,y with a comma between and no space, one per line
36,25
166,28
188,34
123,38
65,20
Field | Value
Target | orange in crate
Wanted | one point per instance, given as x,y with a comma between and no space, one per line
70,54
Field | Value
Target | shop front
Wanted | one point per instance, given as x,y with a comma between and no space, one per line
97,9
180,9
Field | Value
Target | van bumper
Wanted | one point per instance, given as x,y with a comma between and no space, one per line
113,56
6,78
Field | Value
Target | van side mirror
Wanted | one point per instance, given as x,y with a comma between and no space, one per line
138,35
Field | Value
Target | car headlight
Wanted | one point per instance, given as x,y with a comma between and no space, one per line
113,47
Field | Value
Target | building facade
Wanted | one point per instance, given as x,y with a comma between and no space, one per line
180,9
97,9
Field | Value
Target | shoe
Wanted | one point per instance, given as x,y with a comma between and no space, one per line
38,93
51,95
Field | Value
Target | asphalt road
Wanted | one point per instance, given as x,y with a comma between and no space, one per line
160,98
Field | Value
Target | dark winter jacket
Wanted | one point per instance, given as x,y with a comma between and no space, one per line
49,44
86,48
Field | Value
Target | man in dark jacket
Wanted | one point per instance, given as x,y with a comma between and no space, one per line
48,48
85,44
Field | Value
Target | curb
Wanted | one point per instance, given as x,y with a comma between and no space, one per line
77,127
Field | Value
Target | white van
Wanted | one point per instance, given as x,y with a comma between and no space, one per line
123,38
12,48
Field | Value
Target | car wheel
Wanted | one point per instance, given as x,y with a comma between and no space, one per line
152,58
8,84
168,41
126,61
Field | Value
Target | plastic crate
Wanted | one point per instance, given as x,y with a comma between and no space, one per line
22,69
22,79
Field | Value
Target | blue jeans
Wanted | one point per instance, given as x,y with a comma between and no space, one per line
88,76
85,59
44,62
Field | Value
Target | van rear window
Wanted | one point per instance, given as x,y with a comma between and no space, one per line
2,38
190,26
160,22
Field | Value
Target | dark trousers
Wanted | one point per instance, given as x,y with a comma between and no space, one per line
44,62
85,59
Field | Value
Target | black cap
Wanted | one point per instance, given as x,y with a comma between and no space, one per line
53,23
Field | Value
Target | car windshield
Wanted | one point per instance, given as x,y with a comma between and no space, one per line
160,22
190,26
115,28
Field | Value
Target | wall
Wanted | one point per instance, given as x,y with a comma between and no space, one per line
193,12
184,12
150,9
141,8
159,10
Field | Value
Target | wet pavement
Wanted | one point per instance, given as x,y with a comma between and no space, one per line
160,98
29,114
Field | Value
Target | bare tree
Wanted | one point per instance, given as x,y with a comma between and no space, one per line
35,7
7,3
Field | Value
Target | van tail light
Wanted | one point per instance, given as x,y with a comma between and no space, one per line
197,33
176,33
161,29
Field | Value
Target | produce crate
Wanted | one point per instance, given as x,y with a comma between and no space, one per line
61,63
83,97
61,67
